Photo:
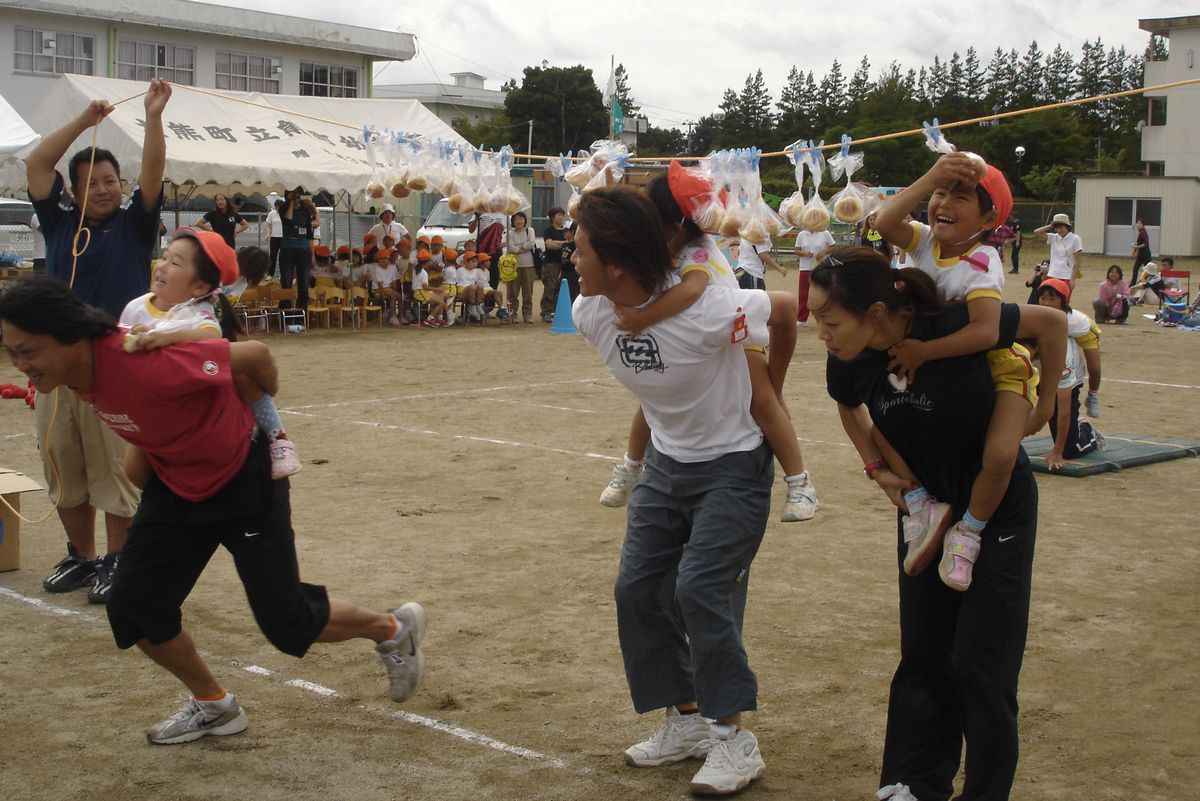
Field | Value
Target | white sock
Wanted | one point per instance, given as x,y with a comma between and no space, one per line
799,478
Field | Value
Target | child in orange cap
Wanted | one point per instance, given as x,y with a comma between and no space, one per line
324,272
421,291
967,200
385,278
439,306
187,304
499,295
450,270
436,245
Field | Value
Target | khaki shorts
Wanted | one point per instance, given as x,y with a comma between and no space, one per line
1013,371
87,454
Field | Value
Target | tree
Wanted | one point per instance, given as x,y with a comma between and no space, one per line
974,87
731,125
793,118
1060,75
1001,80
629,106
935,86
1031,77
662,142
758,121
491,134
831,98
860,84
955,79
565,105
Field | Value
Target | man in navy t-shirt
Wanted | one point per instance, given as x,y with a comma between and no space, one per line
82,457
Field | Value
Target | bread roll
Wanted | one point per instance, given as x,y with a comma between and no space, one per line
848,208
814,218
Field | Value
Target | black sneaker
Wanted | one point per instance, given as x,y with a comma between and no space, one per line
72,573
106,568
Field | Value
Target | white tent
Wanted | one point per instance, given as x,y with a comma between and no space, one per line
17,139
217,137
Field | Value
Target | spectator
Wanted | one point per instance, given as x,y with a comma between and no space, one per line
1113,304
1014,225
224,220
1141,249
299,217
78,454
387,225
521,243
1066,248
489,238
1035,281
554,236
274,234
1153,281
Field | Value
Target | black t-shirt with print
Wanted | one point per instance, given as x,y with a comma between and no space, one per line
552,234
224,224
939,422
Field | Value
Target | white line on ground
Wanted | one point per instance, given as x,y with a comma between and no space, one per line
14,436
541,406
441,435
322,691
450,393
1150,383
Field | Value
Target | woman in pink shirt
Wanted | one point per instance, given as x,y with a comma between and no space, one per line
1113,304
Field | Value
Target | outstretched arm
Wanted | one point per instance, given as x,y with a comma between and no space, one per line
39,167
951,168
154,145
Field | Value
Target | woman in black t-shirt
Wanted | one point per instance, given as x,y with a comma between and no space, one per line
223,220
555,237
960,652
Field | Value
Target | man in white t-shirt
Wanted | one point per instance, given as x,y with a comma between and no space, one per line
811,248
699,510
1066,248
387,226
752,260
274,232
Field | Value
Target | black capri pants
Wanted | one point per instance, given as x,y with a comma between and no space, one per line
172,539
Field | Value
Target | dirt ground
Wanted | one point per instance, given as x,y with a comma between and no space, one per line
461,468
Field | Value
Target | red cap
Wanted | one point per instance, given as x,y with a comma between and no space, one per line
994,183
343,250
368,238
1058,285
322,251
214,246
437,240
690,188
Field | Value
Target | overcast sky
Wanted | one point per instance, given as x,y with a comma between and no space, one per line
682,56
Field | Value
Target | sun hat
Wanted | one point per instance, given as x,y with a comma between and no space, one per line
1062,218
1058,285
386,208
217,250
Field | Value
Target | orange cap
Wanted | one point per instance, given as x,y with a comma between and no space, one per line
423,238
424,255
383,253
214,246
368,238
343,250
485,256
437,240
322,251
469,255
449,254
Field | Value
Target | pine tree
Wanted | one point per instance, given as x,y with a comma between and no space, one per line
734,120
758,120
1001,80
1031,77
955,83
860,83
629,106
922,90
831,98
935,86
973,81
1060,75
792,120
808,106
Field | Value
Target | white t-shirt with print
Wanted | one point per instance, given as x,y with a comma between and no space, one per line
978,273
813,242
749,259
688,372
703,253
1062,254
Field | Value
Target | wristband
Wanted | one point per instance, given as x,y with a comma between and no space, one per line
869,469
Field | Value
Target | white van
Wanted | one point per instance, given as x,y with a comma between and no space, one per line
451,227
16,234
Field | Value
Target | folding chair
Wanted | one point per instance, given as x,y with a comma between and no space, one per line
361,299
252,305
318,307
289,316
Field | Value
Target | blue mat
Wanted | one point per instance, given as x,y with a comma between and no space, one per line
1124,450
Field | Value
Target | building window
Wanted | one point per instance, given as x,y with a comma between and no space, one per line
245,72
53,52
327,80
144,61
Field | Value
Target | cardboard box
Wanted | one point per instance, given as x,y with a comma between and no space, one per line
12,484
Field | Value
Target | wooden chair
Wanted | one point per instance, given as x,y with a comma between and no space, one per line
344,309
253,305
1176,295
361,299
288,316
318,307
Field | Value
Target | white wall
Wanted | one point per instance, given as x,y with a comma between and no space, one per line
1177,144
1179,233
25,91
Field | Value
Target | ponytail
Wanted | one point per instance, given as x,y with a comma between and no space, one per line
857,278
207,272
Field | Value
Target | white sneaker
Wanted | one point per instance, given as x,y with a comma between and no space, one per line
402,657
682,737
285,461
617,491
895,792
733,762
801,502
198,719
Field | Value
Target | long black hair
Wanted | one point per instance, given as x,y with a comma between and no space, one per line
857,278
659,192
45,305
207,272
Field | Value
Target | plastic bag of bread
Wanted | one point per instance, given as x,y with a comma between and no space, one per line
814,216
376,184
849,205
604,165
760,222
793,205
581,171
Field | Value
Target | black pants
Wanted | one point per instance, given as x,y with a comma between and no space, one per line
960,658
568,272
172,539
1016,259
276,241
1080,437
295,264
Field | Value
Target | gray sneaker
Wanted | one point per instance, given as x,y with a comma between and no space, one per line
198,719
617,492
733,762
801,502
681,737
402,657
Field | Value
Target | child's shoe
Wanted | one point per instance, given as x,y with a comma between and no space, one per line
801,502
958,557
285,461
1093,405
617,492
923,533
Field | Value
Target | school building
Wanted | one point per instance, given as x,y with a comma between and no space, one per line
189,43
1167,197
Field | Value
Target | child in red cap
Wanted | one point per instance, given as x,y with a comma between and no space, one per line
187,304
1071,436
968,200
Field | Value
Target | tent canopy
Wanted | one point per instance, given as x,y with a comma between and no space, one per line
216,137
17,140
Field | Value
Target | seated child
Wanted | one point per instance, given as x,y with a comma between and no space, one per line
421,293
466,287
384,280
436,246
186,303
324,271
450,270
253,263
1072,437
439,309
359,273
